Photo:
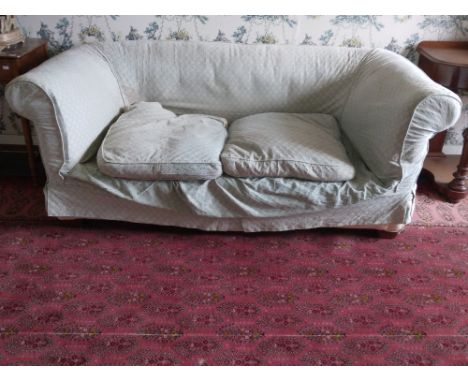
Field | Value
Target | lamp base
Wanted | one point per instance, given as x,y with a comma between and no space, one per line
10,38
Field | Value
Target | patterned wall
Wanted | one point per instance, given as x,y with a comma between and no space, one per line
396,33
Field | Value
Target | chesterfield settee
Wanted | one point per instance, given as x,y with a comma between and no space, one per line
386,109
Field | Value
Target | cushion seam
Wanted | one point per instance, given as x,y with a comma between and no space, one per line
280,160
156,163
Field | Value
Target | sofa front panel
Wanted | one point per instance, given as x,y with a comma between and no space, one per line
234,80
78,199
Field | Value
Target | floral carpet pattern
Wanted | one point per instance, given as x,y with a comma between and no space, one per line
102,293
432,210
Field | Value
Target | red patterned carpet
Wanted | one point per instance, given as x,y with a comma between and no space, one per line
432,210
109,293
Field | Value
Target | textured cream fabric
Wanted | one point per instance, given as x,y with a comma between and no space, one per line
392,111
149,143
386,107
234,80
71,98
79,199
286,145
230,197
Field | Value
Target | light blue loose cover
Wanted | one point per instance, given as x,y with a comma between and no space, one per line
386,107
287,145
148,142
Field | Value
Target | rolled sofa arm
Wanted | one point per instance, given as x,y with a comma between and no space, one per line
392,111
70,99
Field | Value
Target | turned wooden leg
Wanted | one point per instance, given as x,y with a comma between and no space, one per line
393,230
457,189
387,235
29,148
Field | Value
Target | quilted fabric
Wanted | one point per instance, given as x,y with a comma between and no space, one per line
71,99
234,80
245,198
85,200
393,111
387,110
289,145
148,143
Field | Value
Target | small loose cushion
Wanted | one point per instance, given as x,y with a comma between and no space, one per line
150,143
305,146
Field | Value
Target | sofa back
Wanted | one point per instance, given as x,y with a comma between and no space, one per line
385,105
234,80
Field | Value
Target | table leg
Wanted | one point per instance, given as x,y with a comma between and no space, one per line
457,189
25,124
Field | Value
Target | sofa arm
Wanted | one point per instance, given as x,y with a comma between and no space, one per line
392,111
70,99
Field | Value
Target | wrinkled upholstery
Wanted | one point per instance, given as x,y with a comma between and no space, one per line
234,80
387,110
391,113
148,142
70,99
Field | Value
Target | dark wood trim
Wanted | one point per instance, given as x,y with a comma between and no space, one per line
452,53
446,62
14,62
457,189
17,148
23,49
29,148
15,163
387,234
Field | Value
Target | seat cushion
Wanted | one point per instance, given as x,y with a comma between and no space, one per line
150,143
305,146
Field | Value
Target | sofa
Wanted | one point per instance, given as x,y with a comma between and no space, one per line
386,110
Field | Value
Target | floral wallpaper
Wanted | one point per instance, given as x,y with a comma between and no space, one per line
396,33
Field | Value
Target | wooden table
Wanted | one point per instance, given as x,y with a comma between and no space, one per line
446,62
15,61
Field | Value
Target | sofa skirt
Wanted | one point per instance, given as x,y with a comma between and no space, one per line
75,199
